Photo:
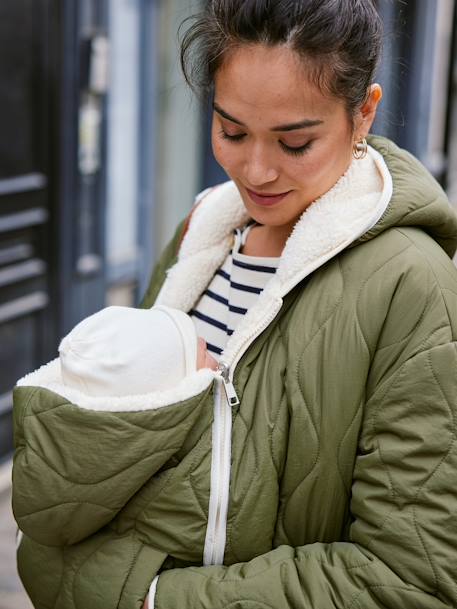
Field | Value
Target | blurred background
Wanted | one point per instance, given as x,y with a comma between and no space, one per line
102,150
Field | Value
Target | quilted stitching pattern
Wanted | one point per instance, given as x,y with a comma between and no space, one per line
324,442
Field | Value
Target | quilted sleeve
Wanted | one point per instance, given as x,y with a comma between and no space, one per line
406,469
74,469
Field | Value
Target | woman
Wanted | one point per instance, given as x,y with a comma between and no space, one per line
318,468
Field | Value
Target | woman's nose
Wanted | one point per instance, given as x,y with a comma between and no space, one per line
259,168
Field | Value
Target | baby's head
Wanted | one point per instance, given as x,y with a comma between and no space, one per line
124,351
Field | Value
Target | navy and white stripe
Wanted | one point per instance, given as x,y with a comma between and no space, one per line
233,289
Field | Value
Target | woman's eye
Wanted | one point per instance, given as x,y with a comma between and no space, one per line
296,150
232,138
293,150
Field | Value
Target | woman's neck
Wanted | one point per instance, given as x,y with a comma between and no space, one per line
266,241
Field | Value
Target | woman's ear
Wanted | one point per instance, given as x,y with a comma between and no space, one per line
367,112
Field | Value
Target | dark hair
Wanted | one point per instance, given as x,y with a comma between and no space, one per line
342,38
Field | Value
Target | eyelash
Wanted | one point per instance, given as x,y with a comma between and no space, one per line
287,149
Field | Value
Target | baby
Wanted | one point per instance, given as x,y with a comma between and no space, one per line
122,351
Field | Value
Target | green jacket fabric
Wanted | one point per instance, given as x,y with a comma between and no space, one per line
340,460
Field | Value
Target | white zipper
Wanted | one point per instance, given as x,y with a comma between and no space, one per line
224,400
220,478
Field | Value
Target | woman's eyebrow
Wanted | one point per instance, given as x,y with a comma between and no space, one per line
289,127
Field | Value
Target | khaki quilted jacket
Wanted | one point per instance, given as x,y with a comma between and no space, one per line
316,469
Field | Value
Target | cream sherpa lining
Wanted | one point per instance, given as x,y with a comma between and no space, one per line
334,221
49,377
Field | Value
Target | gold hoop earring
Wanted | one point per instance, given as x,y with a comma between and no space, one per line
360,149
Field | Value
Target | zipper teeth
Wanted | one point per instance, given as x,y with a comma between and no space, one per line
214,534
226,372
221,477
217,517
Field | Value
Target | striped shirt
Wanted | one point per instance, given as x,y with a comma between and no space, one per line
233,289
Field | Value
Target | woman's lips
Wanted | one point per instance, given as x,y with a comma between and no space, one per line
266,200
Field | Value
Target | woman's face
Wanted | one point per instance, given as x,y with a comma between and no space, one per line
282,141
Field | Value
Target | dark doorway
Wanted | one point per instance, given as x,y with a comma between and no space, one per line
51,181
26,328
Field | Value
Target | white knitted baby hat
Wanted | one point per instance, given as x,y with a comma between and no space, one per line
123,351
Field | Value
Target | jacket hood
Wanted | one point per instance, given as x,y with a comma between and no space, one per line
417,199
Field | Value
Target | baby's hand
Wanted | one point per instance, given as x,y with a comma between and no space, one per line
204,359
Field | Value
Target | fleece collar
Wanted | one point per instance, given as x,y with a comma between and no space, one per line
328,226
332,223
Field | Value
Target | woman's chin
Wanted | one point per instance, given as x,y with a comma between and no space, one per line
274,216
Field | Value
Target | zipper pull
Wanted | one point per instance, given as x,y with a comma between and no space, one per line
229,387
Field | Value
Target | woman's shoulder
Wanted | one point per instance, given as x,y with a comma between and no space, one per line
401,282
397,253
